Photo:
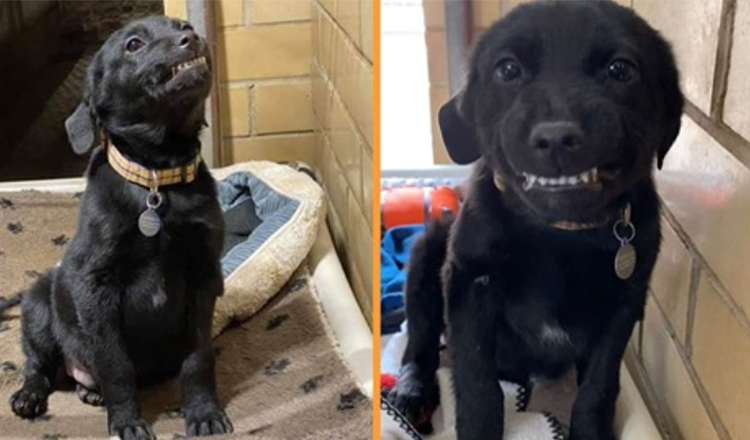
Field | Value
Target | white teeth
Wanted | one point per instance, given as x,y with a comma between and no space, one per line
529,181
182,66
588,176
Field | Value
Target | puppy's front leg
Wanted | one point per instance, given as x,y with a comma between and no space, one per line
599,381
111,365
479,398
203,415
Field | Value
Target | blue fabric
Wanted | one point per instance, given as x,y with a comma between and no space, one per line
274,209
394,252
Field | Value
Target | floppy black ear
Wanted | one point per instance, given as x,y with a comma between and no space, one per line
458,135
673,103
82,131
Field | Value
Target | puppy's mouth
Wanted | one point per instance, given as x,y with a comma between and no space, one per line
592,179
185,66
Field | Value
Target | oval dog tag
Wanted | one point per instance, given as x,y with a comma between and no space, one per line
625,261
149,223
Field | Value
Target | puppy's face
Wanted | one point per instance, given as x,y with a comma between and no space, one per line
149,78
154,59
570,103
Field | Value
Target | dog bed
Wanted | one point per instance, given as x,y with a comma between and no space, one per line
281,211
272,214
282,374
521,421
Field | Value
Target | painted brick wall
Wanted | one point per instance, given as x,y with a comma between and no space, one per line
693,350
691,355
264,52
342,107
297,84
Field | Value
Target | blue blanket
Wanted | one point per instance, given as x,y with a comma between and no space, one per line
394,252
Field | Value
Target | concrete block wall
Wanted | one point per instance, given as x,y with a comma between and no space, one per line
297,84
342,75
692,352
263,61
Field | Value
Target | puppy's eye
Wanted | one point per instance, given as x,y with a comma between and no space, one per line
134,44
622,70
187,27
507,70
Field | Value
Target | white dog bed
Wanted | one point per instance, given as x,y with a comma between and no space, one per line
291,208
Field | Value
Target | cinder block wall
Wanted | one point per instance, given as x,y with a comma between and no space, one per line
264,50
693,349
297,84
691,355
342,107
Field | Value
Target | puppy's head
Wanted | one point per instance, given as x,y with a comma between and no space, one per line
568,102
149,80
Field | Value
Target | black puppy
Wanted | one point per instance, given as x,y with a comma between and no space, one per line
133,298
548,264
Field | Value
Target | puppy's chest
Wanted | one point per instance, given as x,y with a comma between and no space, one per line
177,215
175,236
157,287
557,301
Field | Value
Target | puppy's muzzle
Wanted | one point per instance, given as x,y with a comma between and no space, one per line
557,136
556,142
188,40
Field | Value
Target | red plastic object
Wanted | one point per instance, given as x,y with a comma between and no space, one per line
413,205
442,199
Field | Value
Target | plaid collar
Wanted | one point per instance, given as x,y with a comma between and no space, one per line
149,178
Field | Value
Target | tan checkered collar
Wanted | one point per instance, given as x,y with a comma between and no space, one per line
147,177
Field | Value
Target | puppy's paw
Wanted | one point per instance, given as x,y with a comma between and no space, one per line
28,404
135,429
89,397
416,397
203,423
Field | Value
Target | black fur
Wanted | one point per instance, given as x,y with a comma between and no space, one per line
523,298
98,308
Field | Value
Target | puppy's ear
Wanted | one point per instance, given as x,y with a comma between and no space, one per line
672,104
459,136
82,131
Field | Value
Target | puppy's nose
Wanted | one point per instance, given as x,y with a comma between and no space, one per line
187,40
548,136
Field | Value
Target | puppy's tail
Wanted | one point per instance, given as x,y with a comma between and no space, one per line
43,286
